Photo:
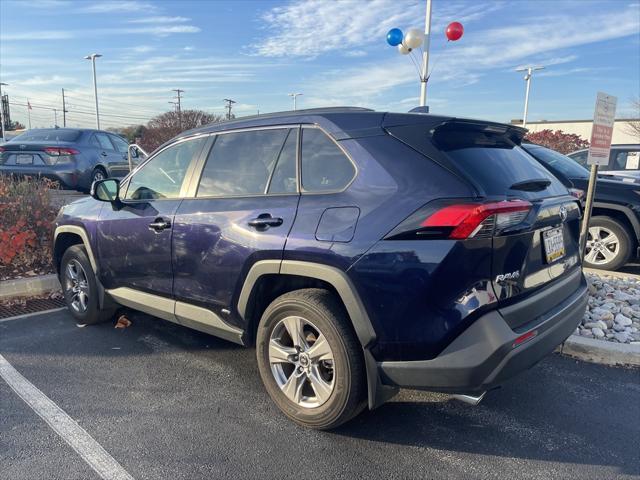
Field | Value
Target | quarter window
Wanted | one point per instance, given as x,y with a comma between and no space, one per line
163,175
241,163
324,165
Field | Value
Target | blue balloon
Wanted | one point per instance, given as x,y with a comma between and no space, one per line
394,37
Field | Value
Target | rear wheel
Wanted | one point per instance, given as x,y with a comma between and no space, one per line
80,287
99,173
310,360
608,244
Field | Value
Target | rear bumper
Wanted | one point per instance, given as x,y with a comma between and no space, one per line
484,356
68,177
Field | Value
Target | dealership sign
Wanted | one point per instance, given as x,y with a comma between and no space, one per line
602,130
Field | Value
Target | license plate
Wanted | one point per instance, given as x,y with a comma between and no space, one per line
24,159
553,244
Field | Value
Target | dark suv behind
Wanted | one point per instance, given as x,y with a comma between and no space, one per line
360,252
74,157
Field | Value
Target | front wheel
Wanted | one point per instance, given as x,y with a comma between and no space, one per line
80,287
608,244
310,360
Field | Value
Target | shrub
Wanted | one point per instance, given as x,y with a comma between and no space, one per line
25,225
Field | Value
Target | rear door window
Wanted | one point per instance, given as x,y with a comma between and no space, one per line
103,141
241,163
325,167
625,160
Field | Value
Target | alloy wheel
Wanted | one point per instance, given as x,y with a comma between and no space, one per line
603,245
77,286
98,175
302,362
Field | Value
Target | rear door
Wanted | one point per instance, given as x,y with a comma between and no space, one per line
532,248
120,166
242,203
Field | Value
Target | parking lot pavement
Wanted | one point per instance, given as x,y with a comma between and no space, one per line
168,402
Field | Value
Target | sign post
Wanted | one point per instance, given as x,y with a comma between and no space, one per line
599,150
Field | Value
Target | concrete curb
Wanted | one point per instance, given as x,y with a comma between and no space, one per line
601,351
28,287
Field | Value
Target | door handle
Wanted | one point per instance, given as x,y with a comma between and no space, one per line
103,154
159,224
264,221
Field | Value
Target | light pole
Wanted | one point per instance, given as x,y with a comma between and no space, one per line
93,57
2,108
424,78
295,96
529,69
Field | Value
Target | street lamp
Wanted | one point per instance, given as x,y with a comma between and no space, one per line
529,69
2,108
294,96
93,57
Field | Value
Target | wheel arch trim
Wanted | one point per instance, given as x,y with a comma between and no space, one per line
635,223
82,233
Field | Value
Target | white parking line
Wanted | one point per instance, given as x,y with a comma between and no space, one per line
65,426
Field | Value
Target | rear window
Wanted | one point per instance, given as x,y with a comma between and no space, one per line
488,156
48,135
557,161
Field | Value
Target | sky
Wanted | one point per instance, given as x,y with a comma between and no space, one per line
334,52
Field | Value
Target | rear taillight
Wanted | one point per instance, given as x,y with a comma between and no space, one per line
58,152
462,220
1,149
577,193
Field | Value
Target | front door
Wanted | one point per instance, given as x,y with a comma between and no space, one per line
241,211
134,238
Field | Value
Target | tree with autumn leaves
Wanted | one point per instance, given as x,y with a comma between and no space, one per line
557,140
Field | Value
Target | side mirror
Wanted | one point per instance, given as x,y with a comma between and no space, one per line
106,190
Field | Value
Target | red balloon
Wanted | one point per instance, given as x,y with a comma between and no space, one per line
454,31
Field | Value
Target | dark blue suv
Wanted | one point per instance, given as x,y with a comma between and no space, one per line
359,251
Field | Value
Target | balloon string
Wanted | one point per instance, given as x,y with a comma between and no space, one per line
415,64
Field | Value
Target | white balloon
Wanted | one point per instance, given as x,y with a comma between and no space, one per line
403,50
413,38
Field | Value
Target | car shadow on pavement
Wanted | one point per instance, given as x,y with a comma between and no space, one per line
559,411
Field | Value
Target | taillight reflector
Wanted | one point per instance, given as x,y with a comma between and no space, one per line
524,338
466,219
57,151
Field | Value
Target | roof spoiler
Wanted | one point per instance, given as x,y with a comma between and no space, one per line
511,132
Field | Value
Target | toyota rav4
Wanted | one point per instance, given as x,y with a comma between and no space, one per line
359,251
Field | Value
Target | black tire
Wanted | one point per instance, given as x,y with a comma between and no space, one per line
322,309
99,173
625,244
76,256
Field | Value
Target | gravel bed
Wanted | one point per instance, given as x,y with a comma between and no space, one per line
613,311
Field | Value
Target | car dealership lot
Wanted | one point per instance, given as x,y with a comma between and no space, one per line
168,402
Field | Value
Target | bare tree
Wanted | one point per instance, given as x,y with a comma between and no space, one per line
633,127
167,125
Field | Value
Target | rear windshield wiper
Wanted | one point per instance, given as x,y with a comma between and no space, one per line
533,185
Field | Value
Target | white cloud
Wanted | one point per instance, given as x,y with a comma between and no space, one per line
532,40
124,6
159,30
53,80
142,49
37,35
160,19
308,28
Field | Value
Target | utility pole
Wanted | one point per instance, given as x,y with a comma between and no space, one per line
228,107
529,69
29,112
178,92
294,96
2,108
93,57
64,111
424,74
